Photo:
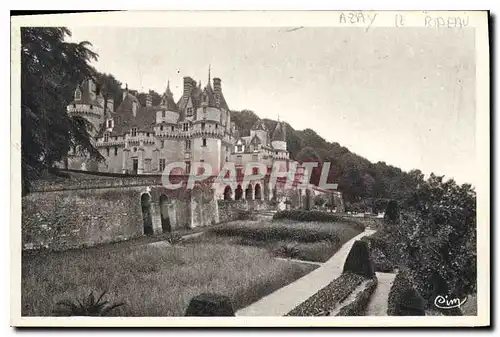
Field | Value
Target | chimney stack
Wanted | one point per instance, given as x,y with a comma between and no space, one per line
189,84
110,105
217,90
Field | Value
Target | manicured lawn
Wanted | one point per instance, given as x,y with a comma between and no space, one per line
310,241
152,280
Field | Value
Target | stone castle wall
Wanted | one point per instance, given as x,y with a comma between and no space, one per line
75,213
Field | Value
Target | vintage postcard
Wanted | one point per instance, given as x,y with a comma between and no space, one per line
190,168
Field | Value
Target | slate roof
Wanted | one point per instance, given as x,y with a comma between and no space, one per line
124,119
85,95
279,132
259,125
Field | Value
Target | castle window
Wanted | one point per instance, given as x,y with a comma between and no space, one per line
110,123
188,144
173,128
276,152
203,126
133,132
216,126
116,151
204,109
147,134
188,167
91,106
135,149
162,144
107,151
163,113
106,137
161,127
185,127
189,112
74,106
239,148
255,170
78,95
162,164
204,142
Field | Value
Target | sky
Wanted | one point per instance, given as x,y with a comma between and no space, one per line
402,96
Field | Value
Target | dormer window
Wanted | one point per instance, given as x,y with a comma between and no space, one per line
110,123
163,113
161,127
185,127
106,137
239,148
133,132
189,112
78,95
173,128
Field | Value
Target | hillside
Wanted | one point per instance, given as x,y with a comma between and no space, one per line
361,181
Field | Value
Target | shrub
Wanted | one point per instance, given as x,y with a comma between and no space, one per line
391,215
210,305
288,250
404,299
174,238
360,303
89,306
244,215
302,215
358,261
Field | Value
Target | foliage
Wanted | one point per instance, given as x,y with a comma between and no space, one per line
391,215
358,260
303,215
90,306
359,305
436,238
49,68
244,215
174,238
288,250
404,299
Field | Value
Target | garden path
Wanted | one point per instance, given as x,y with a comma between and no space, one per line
282,301
379,300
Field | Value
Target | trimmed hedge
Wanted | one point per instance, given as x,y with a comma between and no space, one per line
325,300
404,299
303,215
360,303
358,261
210,305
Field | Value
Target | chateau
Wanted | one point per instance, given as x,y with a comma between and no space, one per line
137,139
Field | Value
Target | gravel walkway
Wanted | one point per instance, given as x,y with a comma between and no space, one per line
379,301
289,297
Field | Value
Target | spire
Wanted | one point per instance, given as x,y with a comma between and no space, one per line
168,92
209,66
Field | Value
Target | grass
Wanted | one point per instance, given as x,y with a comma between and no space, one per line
314,241
154,281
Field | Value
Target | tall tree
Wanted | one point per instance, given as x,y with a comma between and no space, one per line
49,69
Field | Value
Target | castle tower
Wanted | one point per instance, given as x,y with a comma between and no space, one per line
260,130
88,105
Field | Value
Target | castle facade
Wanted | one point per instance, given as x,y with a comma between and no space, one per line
137,139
